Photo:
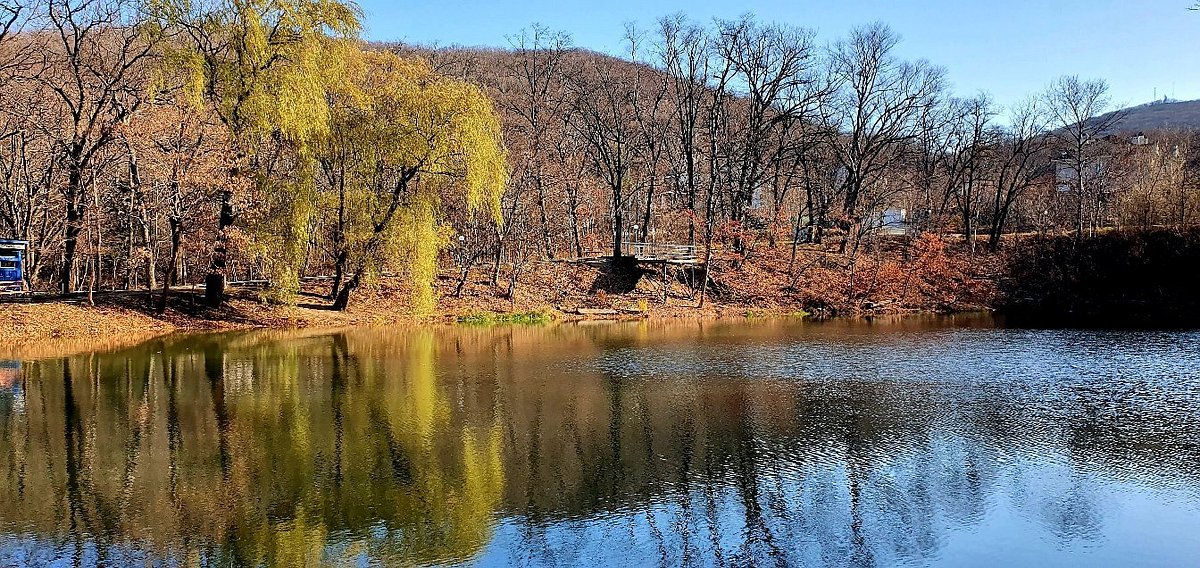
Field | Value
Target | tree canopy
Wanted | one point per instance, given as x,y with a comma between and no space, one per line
404,146
317,122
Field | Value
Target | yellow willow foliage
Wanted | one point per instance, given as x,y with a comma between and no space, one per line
404,137
408,116
457,500
298,542
483,487
262,63
265,67
279,224
413,248
424,411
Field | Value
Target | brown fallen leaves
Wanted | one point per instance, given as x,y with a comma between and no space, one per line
922,274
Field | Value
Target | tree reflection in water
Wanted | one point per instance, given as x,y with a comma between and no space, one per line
700,444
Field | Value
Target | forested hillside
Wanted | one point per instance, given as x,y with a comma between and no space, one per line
154,145
1159,115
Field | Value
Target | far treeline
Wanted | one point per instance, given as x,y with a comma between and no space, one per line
147,144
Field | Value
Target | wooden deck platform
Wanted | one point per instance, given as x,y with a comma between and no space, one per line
658,253
652,253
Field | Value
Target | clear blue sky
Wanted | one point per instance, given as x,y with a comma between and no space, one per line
1009,48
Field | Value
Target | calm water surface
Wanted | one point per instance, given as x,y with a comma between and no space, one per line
908,443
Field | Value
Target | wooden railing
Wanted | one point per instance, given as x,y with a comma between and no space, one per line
656,252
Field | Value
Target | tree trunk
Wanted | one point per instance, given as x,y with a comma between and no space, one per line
691,177
575,236
151,276
463,276
172,274
795,244
547,244
1082,198
342,301
214,283
339,273
708,241
618,229
998,220
852,190
738,216
498,256
998,229
72,231
646,216
968,218
97,261
969,232
70,246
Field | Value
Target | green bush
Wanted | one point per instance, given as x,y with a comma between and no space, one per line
532,317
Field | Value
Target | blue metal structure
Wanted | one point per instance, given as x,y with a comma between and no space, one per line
12,397
12,265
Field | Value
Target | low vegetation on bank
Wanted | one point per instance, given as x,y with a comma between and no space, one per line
1114,278
905,276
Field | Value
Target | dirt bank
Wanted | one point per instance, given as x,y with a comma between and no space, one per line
900,276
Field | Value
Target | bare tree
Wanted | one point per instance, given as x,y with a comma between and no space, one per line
27,178
823,188
26,171
1018,151
141,214
937,125
717,126
650,112
683,54
535,97
184,150
568,152
97,69
877,109
968,164
602,91
16,52
776,66
10,14
1077,110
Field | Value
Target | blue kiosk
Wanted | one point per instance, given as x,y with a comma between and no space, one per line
12,266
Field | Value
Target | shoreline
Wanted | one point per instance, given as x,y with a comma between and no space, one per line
886,283
114,322
85,336
1118,280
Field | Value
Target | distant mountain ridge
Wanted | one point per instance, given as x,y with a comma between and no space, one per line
1159,115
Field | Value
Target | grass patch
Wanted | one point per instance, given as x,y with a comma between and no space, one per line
763,314
516,318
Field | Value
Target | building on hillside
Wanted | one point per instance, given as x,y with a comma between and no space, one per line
1097,166
1066,176
892,221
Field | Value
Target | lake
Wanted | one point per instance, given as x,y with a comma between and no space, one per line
909,442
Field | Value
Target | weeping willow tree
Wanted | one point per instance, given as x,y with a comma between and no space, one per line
264,68
405,147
